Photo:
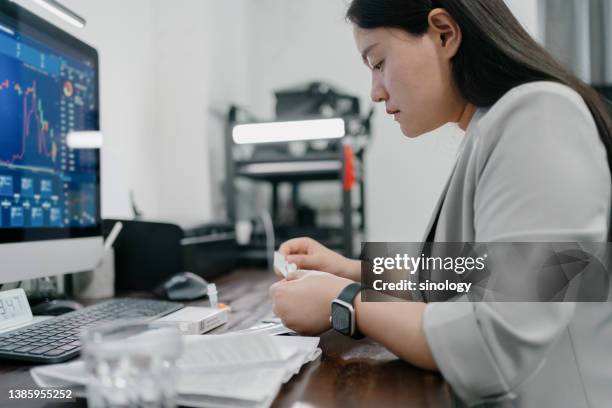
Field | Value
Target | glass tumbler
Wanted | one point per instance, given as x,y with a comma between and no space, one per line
131,364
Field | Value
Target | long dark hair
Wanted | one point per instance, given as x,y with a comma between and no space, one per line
496,53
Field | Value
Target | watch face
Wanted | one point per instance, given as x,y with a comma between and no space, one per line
341,318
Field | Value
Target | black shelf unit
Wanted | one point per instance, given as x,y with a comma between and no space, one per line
327,165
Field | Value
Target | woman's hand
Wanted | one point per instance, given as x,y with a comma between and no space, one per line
309,254
304,302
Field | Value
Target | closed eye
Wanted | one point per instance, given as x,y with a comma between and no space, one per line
378,67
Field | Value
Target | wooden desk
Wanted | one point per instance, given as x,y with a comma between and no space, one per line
349,374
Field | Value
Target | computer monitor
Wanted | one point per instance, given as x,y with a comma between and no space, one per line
49,193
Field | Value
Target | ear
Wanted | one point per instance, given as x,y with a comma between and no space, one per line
445,32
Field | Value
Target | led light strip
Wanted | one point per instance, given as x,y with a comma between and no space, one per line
60,11
275,132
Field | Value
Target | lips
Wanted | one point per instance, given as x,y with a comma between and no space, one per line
394,112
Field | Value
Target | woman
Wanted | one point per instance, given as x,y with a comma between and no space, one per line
533,166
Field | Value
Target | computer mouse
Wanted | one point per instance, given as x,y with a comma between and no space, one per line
183,286
55,307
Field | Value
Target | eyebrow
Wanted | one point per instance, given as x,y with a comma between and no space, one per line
364,54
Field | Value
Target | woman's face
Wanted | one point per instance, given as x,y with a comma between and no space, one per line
412,75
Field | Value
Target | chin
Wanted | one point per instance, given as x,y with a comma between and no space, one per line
410,133
413,132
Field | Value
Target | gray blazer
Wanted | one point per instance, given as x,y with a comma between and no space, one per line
530,168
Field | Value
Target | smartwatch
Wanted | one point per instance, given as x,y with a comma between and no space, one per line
343,313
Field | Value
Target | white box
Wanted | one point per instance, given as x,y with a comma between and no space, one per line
194,320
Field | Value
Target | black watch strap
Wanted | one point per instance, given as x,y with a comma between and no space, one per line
348,295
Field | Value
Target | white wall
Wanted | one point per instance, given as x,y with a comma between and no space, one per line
526,11
199,70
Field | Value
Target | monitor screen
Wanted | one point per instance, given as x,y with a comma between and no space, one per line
48,88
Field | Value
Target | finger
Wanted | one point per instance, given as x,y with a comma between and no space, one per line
275,287
305,261
297,274
295,246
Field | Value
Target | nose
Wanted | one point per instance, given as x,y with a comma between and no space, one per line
378,93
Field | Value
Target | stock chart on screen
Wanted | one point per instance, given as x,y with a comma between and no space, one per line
44,95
